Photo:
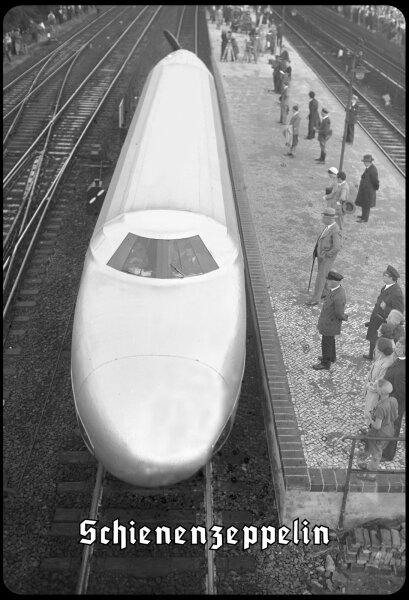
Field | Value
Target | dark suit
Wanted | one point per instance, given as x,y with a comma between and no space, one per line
352,119
366,197
324,133
393,298
313,118
329,323
396,374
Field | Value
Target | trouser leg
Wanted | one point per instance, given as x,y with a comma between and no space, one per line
365,213
327,349
324,265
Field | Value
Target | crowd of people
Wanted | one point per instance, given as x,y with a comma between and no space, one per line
17,40
387,20
384,391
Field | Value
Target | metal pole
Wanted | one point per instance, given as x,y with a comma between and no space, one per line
344,137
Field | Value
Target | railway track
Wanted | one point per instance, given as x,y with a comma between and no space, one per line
387,135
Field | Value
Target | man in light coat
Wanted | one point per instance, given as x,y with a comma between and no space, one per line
330,320
326,249
294,126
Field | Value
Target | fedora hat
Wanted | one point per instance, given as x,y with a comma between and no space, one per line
349,207
367,157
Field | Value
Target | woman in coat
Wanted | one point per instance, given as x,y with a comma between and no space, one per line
366,197
384,357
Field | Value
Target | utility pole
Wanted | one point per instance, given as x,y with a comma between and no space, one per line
357,54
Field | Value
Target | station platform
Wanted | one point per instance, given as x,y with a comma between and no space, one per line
285,198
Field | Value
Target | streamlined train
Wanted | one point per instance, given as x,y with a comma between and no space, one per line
158,344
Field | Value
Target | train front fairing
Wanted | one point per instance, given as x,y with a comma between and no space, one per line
159,331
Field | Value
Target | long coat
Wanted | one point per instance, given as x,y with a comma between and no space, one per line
367,188
324,131
393,298
396,374
314,117
332,312
329,244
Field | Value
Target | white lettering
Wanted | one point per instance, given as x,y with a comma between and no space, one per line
247,541
84,531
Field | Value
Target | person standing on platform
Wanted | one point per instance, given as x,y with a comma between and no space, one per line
352,119
326,249
330,320
385,357
279,35
324,133
313,117
224,43
341,199
391,297
369,185
295,129
277,76
331,190
284,103
396,374
382,420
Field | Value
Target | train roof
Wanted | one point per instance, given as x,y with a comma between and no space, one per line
174,156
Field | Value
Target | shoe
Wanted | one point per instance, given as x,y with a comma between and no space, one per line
320,367
366,476
359,218
320,359
367,357
367,324
362,466
308,138
361,221
311,303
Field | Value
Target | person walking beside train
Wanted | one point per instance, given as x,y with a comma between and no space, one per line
326,249
314,120
391,297
324,134
369,185
330,320
294,126
352,119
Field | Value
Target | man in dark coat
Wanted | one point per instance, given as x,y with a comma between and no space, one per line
313,117
391,297
352,119
366,197
324,133
330,320
396,374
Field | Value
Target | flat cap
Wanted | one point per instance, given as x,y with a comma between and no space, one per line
324,110
392,272
333,170
329,212
334,276
367,157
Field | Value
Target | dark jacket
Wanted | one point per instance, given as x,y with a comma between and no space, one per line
314,116
332,312
325,131
353,114
367,188
396,374
393,298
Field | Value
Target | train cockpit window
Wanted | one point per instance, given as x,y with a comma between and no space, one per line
163,259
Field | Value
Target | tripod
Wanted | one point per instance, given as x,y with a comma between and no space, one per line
228,53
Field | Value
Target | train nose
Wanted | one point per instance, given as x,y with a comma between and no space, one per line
153,420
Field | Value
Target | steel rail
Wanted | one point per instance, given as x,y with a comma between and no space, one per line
45,202
23,158
32,90
83,578
208,501
56,50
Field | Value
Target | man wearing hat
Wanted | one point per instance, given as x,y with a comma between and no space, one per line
330,320
391,297
366,197
324,133
352,118
340,201
313,117
294,126
326,249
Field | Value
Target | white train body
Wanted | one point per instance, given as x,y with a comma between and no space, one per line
158,346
